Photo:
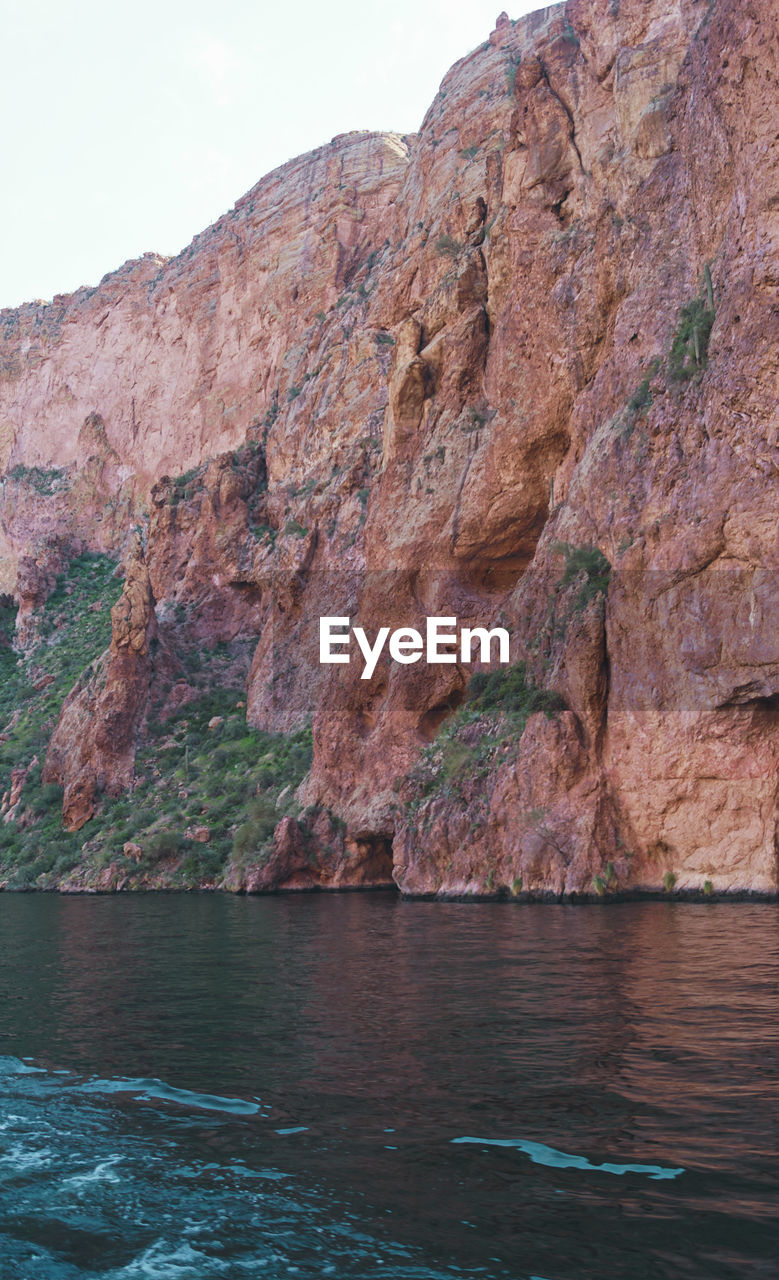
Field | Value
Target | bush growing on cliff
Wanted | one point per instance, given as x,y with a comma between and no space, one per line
589,565
48,798
165,844
690,347
447,246
294,529
45,481
482,734
229,780
641,398
183,487
72,632
251,840
511,64
7,620
203,864
11,677
510,690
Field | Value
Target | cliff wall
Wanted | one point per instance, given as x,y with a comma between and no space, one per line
520,368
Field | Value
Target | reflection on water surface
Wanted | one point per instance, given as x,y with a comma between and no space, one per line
359,1086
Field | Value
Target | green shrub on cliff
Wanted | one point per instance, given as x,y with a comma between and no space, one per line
235,780
589,567
447,246
73,630
641,398
183,487
509,690
12,679
186,775
690,347
45,481
482,734
251,842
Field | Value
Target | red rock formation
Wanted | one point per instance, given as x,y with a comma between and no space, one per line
11,801
180,357
314,853
451,356
93,746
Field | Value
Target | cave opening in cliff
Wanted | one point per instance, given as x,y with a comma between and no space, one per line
377,861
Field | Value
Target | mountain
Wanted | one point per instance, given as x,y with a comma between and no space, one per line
519,369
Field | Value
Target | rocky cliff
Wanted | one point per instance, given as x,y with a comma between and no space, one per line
521,369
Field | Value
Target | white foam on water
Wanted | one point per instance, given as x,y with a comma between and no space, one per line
152,1089
10,1122
15,1067
243,1171
165,1261
209,1220
103,1172
541,1154
20,1158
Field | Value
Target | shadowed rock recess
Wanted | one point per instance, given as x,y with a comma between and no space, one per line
519,368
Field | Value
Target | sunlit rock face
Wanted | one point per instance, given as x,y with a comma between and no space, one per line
418,375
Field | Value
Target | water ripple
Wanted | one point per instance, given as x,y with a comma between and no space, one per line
151,1090
541,1154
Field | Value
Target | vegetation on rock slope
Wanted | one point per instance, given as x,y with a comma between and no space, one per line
480,736
202,797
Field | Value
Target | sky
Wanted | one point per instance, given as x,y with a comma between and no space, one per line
129,127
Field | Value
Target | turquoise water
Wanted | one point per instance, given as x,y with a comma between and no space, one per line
356,1086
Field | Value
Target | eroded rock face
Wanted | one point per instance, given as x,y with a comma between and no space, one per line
314,852
179,357
413,376
10,803
92,749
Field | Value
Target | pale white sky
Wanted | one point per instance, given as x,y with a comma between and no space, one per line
132,126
